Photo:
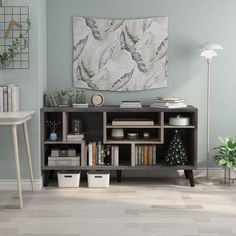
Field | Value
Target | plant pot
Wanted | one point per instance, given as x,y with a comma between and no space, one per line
64,100
229,175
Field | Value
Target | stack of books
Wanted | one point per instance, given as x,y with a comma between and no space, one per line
9,98
74,137
130,104
80,105
169,102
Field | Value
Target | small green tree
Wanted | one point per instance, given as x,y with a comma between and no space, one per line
176,154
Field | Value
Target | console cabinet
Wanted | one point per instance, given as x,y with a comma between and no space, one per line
98,123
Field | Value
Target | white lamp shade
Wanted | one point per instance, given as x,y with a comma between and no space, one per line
207,50
208,54
210,46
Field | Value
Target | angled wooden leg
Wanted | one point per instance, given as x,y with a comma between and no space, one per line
28,154
16,156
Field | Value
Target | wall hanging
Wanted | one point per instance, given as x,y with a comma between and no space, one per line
120,55
14,37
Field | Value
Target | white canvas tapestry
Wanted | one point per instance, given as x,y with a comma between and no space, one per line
120,55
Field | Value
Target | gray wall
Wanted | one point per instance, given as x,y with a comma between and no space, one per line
191,23
32,83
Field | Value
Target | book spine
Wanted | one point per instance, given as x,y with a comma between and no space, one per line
5,99
108,155
154,161
1,99
116,155
149,155
15,98
90,154
145,155
94,153
99,153
102,154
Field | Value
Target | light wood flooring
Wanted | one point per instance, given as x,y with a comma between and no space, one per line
134,207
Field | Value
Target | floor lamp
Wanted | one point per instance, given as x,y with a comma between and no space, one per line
208,51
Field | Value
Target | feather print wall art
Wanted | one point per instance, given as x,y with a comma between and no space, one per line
120,55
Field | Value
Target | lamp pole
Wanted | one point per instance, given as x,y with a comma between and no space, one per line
208,51
208,113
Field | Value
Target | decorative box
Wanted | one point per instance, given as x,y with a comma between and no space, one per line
98,179
63,152
68,179
64,161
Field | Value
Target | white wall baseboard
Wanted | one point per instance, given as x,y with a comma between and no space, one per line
216,172
11,184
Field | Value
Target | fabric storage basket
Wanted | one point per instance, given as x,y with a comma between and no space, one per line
68,179
98,179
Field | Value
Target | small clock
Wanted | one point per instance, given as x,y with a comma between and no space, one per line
97,99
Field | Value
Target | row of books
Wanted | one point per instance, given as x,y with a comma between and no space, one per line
9,98
169,102
145,155
101,154
52,100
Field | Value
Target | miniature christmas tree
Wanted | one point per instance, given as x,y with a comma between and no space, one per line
176,154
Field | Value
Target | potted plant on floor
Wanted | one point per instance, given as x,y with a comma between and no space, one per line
226,155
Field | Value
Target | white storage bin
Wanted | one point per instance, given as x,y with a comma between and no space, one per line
68,179
98,179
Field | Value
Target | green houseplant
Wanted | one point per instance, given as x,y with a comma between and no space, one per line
64,96
226,153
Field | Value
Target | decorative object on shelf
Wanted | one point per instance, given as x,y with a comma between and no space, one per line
53,136
146,135
14,46
169,102
132,136
51,100
117,133
176,154
111,54
130,104
64,97
132,121
76,126
97,99
53,126
80,96
179,120
208,51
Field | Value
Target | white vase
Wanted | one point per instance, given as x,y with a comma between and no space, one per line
53,136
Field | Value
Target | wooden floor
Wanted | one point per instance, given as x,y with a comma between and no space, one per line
132,208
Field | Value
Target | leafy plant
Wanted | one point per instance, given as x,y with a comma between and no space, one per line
226,155
64,92
18,45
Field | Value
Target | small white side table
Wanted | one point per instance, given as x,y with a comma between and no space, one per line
13,119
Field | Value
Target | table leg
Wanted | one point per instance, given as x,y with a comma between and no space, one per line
28,154
16,156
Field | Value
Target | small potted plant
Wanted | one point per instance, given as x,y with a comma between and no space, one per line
226,155
64,96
